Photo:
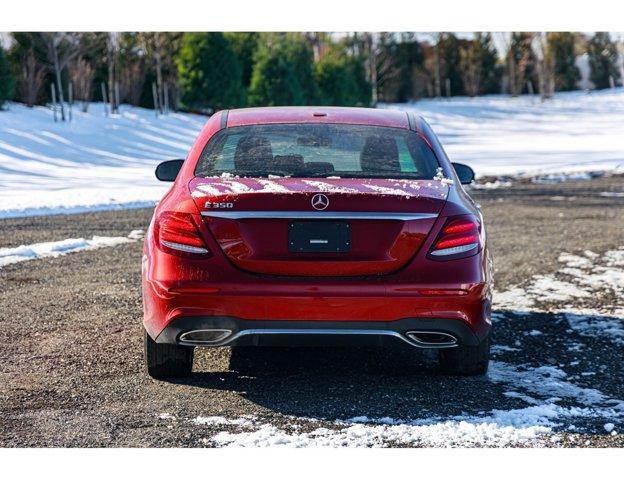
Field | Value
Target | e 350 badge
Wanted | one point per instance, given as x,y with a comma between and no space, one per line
219,205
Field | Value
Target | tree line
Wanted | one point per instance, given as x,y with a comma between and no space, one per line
204,72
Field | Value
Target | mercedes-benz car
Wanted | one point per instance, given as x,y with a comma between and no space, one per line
305,226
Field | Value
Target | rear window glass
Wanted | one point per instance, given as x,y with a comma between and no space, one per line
317,150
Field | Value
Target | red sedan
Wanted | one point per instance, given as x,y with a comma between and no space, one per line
308,226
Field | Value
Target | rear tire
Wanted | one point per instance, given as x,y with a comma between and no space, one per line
466,360
165,360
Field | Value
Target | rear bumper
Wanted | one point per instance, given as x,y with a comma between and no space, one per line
317,307
177,290
229,331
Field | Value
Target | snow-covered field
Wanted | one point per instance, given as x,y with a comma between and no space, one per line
498,135
99,162
92,163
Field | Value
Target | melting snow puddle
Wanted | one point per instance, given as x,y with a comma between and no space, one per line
62,247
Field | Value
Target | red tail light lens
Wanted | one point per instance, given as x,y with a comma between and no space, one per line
177,233
459,237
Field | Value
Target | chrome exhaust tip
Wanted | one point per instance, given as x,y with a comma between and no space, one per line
205,336
432,339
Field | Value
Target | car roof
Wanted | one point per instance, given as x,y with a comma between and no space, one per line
348,115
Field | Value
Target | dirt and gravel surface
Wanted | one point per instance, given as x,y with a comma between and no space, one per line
71,368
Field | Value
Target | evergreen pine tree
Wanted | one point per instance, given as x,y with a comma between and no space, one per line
479,64
492,71
602,60
409,58
282,73
450,59
209,73
244,45
341,80
561,47
7,81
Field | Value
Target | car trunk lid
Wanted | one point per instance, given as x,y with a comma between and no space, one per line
319,227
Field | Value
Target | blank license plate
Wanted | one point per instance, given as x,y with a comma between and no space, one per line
319,237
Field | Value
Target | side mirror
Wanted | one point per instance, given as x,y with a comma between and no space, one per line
464,172
168,171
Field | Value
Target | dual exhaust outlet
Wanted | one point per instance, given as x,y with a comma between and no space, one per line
222,336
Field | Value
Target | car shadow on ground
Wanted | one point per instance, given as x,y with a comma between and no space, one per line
348,382
404,383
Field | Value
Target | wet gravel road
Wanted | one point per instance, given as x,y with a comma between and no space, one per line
71,371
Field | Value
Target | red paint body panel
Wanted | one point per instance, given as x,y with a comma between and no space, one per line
250,274
354,116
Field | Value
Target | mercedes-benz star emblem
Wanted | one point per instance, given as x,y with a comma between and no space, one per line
320,201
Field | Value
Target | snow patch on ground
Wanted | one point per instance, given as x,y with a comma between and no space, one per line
62,247
581,276
495,185
593,323
442,434
218,420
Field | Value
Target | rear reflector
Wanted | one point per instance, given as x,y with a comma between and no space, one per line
178,234
183,248
460,235
454,250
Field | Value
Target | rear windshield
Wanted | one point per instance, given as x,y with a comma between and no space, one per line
317,150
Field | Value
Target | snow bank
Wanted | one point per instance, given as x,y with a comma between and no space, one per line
62,247
499,135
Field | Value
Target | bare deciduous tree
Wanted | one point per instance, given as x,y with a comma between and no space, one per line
111,60
81,74
62,48
158,46
545,65
381,67
31,77
471,71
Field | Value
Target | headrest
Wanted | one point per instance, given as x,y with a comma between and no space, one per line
319,167
380,154
288,163
253,153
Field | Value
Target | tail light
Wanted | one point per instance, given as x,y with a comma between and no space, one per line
460,237
177,233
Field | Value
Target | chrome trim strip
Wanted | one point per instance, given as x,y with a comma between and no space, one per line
318,331
235,215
